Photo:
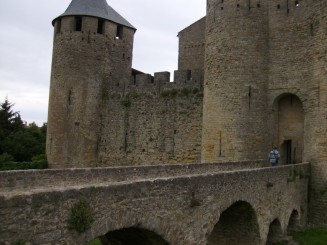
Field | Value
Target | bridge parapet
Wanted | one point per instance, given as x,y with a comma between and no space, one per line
26,180
181,209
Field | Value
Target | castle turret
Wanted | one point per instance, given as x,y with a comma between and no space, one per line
92,50
236,68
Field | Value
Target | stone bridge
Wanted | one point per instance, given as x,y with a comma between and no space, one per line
197,204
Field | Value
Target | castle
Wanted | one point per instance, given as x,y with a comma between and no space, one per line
251,75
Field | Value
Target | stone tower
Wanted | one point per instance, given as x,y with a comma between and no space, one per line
236,74
92,50
265,84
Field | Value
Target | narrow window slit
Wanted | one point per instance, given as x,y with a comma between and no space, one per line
119,32
100,26
70,92
78,23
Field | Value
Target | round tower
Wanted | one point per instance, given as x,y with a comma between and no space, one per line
92,49
236,75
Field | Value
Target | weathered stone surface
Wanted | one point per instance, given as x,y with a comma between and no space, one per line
251,75
181,209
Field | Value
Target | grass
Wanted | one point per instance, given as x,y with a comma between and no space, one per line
94,242
312,236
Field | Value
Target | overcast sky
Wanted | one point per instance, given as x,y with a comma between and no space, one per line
26,37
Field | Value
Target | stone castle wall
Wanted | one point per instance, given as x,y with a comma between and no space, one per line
297,68
265,85
192,45
152,121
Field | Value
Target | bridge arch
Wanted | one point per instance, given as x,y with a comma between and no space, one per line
275,232
237,225
294,222
132,236
287,127
144,229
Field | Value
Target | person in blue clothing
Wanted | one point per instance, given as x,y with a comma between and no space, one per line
273,156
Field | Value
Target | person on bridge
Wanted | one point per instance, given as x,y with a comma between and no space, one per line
273,156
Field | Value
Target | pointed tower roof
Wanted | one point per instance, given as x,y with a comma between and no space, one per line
95,8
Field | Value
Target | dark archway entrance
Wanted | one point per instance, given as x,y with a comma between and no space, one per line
237,226
289,129
132,236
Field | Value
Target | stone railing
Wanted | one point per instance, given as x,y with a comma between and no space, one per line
54,178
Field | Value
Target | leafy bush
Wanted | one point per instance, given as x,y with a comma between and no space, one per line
39,158
19,242
80,218
195,91
10,165
126,103
185,92
5,157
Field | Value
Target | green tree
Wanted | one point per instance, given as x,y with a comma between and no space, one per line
18,140
10,121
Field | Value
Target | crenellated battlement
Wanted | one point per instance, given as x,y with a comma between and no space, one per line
285,8
146,83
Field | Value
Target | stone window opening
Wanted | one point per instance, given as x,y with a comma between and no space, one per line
78,23
119,32
100,26
278,6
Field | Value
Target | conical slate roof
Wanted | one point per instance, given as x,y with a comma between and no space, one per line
96,8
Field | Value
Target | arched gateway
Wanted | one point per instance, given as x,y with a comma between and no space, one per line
288,128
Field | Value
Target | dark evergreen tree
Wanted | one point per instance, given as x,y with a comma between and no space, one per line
18,140
10,121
